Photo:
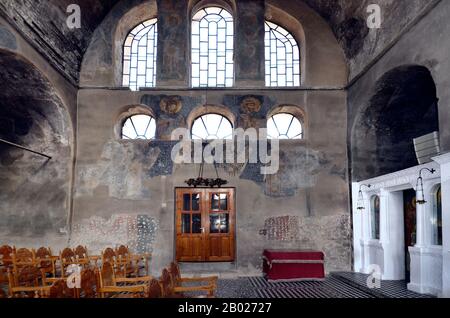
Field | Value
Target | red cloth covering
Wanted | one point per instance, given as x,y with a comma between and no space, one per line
293,265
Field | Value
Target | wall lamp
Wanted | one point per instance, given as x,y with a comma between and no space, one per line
361,205
420,193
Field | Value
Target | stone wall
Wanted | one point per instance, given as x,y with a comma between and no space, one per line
426,47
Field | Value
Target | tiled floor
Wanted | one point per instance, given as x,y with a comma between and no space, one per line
337,285
389,288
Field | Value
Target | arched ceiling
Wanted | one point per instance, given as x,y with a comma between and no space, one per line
43,23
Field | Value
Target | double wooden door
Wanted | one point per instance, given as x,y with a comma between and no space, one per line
205,225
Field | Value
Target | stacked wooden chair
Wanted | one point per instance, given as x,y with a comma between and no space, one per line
109,284
26,281
125,263
172,284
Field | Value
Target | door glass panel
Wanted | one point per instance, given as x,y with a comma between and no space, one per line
219,223
224,202
215,223
186,223
186,202
215,202
196,223
196,202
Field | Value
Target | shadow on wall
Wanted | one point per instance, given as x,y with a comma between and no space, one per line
34,191
403,107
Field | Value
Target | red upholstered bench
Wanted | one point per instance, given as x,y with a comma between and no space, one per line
289,265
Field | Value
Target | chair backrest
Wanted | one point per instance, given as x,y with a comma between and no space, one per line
23,255
59,289
88,283
45,258
6,255
175,273
67,255
108,255
166,283
27,276
123,251
154,289
81,252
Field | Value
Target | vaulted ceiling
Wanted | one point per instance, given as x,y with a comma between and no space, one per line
40,22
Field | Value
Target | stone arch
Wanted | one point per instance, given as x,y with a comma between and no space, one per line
35,192
403,107
102,62
323,60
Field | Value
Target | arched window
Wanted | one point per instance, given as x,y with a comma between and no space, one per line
212,126
139,127
284,126
436,220
139,56
282,57
212,48
375,216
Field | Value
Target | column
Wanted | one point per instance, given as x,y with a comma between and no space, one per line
444,161
358,251
249,43
173,37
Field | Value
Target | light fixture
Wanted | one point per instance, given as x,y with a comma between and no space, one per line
361,206
420,193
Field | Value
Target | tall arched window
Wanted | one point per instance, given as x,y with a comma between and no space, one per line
139,56
212,48
437,218
375,216
212,126
282,57
284,126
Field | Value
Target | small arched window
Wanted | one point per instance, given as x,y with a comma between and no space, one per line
436,220
375,217
212,126
139,56
284,126
137,127
212,48
282,57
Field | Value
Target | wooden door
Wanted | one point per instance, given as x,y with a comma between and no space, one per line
205,225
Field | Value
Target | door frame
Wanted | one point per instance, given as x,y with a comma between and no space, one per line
234,219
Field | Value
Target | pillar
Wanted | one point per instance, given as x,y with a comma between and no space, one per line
249,43
173,45
444,162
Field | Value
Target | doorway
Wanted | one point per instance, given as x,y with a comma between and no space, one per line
409,201
205,224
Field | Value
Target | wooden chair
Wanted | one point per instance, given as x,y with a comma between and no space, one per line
167,285
66,258
202,285
81,256
23,257
25,282
154,289
89,284
123,287
5,262
59,289
46,261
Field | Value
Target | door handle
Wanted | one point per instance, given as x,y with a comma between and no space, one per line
202,229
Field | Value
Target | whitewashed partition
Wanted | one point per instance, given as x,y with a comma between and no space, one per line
430,264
